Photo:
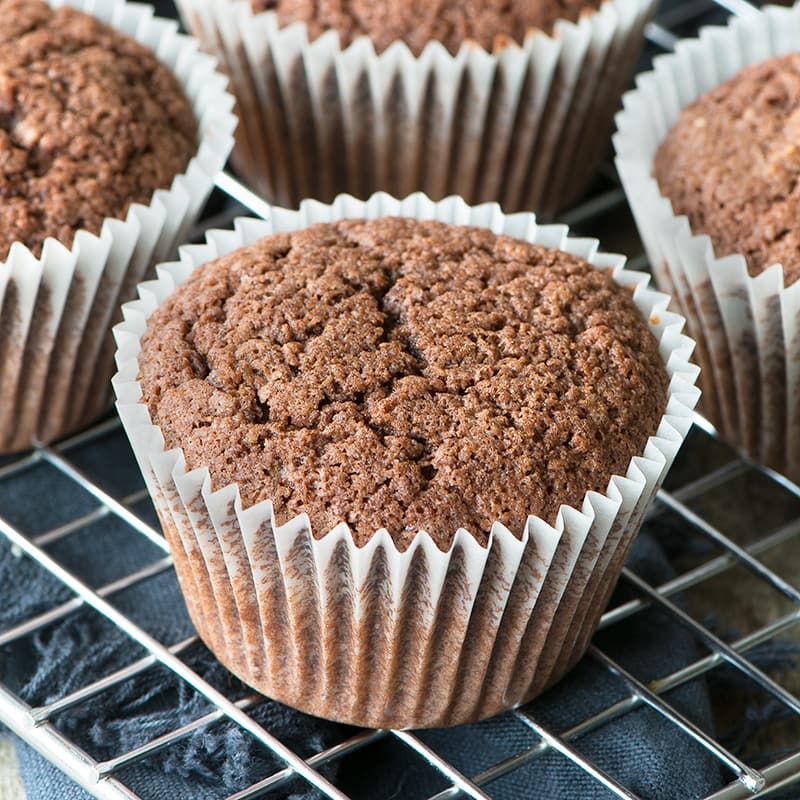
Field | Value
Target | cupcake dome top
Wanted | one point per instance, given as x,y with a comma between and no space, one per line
731,164
90,122
418,22
404,374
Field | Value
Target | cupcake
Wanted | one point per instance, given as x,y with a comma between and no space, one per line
510,102
399,460
707,151
106,157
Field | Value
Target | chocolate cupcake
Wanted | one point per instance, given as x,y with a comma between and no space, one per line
452,22
508,102
368,441
106,157
712,182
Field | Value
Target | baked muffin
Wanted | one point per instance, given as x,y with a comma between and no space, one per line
488,23
90,122
370,433
404,374
724,165
411,96
731,164
92,126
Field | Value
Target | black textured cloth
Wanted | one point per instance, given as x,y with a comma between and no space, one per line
641,749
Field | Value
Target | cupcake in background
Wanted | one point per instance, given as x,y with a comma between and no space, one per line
508,102
707,150
400,461
107,155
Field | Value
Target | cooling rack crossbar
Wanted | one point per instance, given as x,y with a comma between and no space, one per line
622,707
751,778
737,552
59,612
568,751
708,569
77,524
715,643
165,657
468,787
741,8
35,456
57,460
707,482
160,743
21,464
279,779
42,713
540,748
769,632
39,726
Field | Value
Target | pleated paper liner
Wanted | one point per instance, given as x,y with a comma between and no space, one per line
373,636
56,311
747,329
523,125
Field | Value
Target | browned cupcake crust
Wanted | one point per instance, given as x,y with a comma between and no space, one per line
403,374
732,164
90,122
417,22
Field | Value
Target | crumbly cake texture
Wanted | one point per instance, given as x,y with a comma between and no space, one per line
90,122
417,22
731,164
404,374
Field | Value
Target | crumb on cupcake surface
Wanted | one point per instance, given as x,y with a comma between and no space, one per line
90,122
403,374
731,164
417,22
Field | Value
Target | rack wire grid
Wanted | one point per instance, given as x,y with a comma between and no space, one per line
748,515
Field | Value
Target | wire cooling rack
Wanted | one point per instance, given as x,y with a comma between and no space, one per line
748,517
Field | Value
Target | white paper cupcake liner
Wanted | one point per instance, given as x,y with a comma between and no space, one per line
747,329
374,636
56,311
524,126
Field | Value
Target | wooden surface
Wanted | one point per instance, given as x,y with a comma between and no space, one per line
10,786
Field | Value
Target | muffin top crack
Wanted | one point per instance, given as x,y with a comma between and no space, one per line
404,374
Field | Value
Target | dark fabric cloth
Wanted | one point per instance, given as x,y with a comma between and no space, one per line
82,647
641,749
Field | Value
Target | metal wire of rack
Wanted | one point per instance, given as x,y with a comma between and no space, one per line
683,498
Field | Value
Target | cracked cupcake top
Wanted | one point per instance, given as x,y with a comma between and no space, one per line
404,374
731,164
417,22
90,122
